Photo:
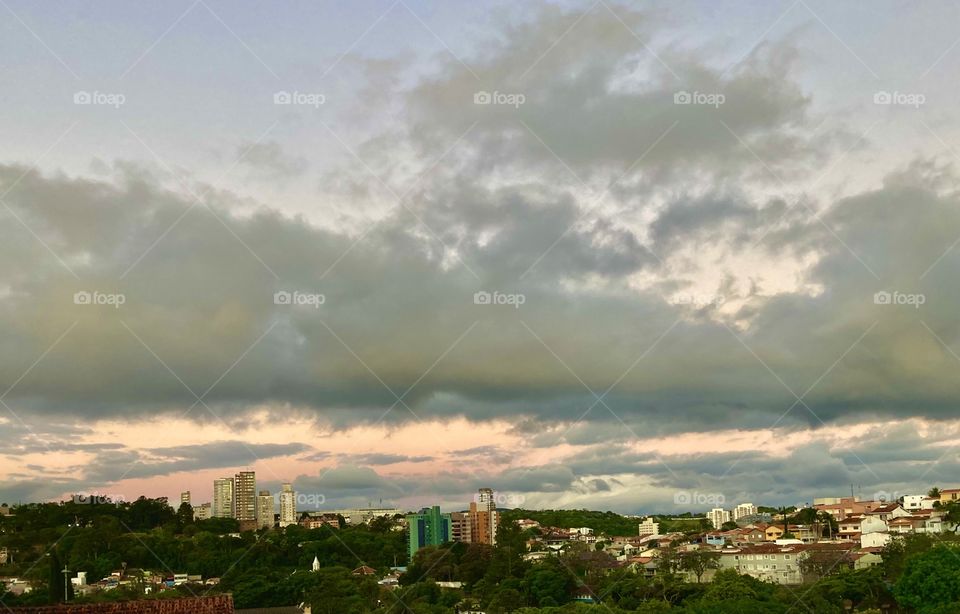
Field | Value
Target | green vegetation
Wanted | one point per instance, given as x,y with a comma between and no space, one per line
273,568
607,523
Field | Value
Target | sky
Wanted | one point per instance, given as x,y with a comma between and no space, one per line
590,254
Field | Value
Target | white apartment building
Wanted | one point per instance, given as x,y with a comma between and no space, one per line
288,506
780,565
202,511
649,527
743,510
718,516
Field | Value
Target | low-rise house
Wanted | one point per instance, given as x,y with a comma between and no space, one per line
949,495
875,539
918,502
849,527
804,532
867,557
772,533
888,512
645,565
317,521
841,507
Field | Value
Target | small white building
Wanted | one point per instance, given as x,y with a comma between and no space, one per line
875,539
918,502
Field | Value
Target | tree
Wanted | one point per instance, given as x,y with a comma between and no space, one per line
729,526
185,515
336,591
821,561
951,514
505,601
898,551
55,579
549,581
699,561
931,580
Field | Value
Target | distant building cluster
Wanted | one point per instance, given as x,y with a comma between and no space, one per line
238,497
719,516
477,525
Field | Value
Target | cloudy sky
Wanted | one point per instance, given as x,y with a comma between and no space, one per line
587,254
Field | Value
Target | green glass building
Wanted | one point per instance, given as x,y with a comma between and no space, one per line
428,528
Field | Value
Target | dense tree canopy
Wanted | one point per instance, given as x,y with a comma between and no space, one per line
273,568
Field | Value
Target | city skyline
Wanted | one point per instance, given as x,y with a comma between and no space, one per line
589,254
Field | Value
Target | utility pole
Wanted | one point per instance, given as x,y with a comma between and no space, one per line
66,584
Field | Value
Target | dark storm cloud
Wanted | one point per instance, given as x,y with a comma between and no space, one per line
398,317
129,463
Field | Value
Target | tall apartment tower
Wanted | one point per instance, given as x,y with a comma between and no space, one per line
288,506
264,510
428,528
222,498
718,516
743,510
245,499
185,497
484,518
460,527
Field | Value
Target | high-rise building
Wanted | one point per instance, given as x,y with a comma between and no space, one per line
649,527
428,528
743,510
185,497
718,516
484,518
288,506
222,498
460,527
245,500
265,510
202,511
